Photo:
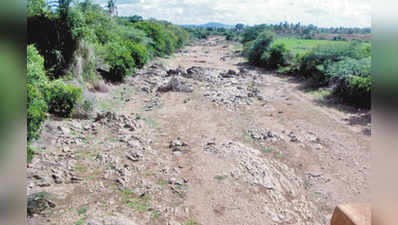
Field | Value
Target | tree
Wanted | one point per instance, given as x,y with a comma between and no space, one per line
135,19
239,26
112,8
36,7
63,7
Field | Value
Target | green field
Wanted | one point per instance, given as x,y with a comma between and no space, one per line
300,46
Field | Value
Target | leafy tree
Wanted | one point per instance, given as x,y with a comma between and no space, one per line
239,26
260,45
63,7
135,19
112,8
36,7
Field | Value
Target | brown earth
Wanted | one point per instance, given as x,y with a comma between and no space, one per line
214,147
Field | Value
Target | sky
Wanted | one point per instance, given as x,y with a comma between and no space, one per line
322,13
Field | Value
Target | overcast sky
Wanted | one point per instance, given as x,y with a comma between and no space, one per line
323,13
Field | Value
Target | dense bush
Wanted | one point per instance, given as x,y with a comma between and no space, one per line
36,80
315,64
197,33
251,33
118,57
354,81
138,52
155,32
61,98
355,90
278,55
260,47
36,109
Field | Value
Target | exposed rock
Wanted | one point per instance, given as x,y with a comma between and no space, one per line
38,202
176,84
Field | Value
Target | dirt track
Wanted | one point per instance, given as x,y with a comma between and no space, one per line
249,148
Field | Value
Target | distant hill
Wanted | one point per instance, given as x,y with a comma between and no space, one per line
212,25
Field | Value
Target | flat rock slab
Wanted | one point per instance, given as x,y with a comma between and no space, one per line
358,214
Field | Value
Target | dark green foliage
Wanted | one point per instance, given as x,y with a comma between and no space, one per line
36,7
61,98
354,81
36,109
101,28
197,33
138,52
155,32
315,64
355,90
118,57
135,19
277,56
260,47
55,41
251,33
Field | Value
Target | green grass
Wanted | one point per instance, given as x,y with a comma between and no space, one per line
220,178
82,210
301,46
155,215
81,221
191,222
320,95
162,182
138,204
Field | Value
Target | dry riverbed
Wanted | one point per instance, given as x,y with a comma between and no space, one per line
201,138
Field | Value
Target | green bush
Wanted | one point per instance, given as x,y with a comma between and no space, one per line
155,32
354,82
118,57
251,33
171,42
61,98
277,56
36,81
315,64
197,33
139,53
355,90
36,74
36,109
259,49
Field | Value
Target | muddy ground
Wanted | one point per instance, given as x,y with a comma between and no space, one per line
202,138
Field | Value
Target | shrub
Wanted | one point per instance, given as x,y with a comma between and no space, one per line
251,34
315,64
277,56
155,32
61,98
36,109
36,74
139,53
353,78
36,80
171,42
119,58
260,47
355,90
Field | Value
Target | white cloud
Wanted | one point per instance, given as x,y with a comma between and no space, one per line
319,12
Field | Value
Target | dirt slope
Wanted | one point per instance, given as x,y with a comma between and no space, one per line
200,138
